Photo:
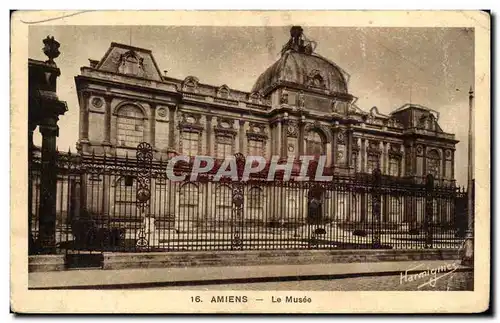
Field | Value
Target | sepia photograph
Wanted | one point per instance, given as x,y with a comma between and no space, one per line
276,163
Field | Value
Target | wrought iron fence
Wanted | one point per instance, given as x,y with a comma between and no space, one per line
128,204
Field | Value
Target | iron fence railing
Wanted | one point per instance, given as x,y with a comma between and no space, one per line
128,204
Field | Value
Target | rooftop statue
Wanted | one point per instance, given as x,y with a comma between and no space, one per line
298,42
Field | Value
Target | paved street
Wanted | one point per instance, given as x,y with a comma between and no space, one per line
458,281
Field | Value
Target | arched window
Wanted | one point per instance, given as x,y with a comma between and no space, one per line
315,145
255,204
129,126
223,203
433,163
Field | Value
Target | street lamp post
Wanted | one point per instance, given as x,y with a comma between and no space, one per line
468,257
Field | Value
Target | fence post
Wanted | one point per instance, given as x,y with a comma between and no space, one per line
238,200
376,203
429,209
147,235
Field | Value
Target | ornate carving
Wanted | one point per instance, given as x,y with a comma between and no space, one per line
355,144
162,112
51,49
190,84
223,92
284,97
395,150
225,126
341,137
315,79
131,63
373,147
448,154
394,123
301,100
97,102
420,150
292,129
257,131
190,121
255,97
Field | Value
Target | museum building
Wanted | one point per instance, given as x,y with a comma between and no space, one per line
300,105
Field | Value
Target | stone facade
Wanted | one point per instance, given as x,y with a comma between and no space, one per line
299,106
121,107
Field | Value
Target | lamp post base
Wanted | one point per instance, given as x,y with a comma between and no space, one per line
468,254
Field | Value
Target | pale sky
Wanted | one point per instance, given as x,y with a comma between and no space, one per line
389,67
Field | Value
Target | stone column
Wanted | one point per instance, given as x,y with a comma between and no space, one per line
152,124
107,120
210,147
402,171
242,138
349,149
331,156
301,138
284,139
84,116
278,138
452,177
385,158
171,128
363,155
48,186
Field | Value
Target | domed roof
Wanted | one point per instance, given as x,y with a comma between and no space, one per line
298,65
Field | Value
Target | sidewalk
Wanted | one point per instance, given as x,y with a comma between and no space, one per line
160,277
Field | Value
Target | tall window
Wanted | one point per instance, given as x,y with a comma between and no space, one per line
188,202
372,163
395,209
293,204
190,143
255,204
342,200
223,203
394,166
224,146
125,197
314,144
433,163
129,126
255,147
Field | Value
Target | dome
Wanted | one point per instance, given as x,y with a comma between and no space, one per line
299,66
